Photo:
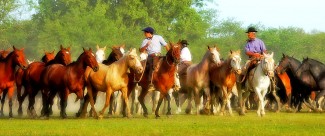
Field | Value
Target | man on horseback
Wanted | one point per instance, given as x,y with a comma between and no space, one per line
186,58
254,49
152,44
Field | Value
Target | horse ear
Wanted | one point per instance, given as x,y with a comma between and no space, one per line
230,51
14,47
84,49
283,55
271,55
91,50
104,48
97,47
209,47
61,47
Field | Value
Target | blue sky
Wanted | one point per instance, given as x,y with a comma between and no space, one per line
306,14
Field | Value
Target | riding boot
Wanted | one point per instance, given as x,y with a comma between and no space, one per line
151,87
151,71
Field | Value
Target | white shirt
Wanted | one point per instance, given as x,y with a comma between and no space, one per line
186,55
155,46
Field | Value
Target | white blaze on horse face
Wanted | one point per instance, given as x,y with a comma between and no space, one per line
122,50
235,64
100,55
216,55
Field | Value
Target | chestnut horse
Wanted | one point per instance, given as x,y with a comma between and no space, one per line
3,54
22,79
64,80
7,72
31,79
224,77
198,78
163,79
109,79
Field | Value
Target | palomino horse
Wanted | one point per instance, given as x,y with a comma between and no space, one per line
259,80
7,72
68,79
300,91
116,53
31,79
224,77
109,79
198,78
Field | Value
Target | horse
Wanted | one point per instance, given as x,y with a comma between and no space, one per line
64,80
31,79
312,74
116,53
163,78
300,91
224,77
109,79
198,78
7,72
259,80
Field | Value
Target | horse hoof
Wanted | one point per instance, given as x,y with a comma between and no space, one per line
188,111
100,117
157,116
145,115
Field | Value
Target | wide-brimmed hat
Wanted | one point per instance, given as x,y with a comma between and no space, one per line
251,29
184,42
149,30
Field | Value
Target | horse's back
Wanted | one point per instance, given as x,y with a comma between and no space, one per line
53,75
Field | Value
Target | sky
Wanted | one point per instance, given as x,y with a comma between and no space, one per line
306,14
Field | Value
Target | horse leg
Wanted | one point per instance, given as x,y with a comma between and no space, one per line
126,101
31,110
189,102
4,93
64,103
176,97
141,100
207,105
197,100
321,94
107,101
10,94
158,106
229,103
242,101
111,104
91,93
21,101
155,98
168,97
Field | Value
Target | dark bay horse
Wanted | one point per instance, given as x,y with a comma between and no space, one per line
109,79
224,77
163,78
64,80
7,72
312,73
31,79
300,91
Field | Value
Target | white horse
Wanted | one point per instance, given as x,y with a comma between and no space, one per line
100,54
259,81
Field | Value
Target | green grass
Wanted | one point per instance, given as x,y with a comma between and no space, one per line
272,124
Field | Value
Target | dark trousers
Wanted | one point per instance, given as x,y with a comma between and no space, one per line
152,65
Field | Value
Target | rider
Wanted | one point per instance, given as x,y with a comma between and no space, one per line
152,44
186,58
254,49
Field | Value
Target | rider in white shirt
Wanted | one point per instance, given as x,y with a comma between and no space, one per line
186,58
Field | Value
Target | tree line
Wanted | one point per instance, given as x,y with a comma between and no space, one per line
87,23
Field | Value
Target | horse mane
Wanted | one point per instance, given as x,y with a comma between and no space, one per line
8,56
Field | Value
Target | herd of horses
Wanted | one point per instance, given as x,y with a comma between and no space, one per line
212,83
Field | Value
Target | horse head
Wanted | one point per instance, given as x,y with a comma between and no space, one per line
19,57
174,53
89,59
235,61
214,55
100,54
48,56
118,51
133,61
63,56
268,64
283,64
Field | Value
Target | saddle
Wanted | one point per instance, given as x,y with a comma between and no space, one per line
252,64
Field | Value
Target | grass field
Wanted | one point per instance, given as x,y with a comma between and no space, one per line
272,124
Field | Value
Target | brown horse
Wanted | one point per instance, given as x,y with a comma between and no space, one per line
224,77
163,79
198,78
29,79
7,72
3,54
64,80
109,79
